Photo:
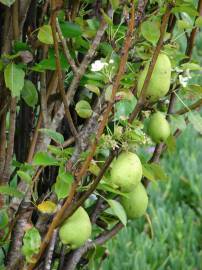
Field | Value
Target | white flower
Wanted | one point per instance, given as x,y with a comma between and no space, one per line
177,69
111,61
183,80
98,65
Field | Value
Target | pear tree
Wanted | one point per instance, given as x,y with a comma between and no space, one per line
87,89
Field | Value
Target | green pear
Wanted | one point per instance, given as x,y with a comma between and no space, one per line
160,80
135,204
76,229
158,127
126,171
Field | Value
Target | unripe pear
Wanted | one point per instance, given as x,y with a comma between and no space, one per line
158,127
126,171
76,229
159,83
136,202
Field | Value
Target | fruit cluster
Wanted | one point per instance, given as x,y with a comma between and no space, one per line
126,171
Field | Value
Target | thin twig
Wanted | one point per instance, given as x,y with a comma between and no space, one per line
70,60
2,143
159,45
79,74
100,240
59,71
10,145
43,92
192,36
49,256
191,107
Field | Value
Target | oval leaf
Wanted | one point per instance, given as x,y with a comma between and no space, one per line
7,2
47,207
44,159
118,210
63,184
31,243
150,30
93,88
14,79
24,176
83,109
54,135
45,34
29,93
10,191
70,30
3,218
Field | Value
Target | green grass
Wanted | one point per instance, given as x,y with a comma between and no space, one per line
176,213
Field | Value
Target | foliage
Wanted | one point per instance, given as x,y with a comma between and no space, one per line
175,217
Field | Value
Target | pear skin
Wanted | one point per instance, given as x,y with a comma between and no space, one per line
158,127
76,230
126,171
160,80
136,202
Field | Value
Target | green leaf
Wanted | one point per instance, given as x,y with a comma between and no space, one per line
154,172
14,79
196,121
93,88
114,4
83,109
191,66
49,63
118,210
70,30
198,22
150,30
7,2
124,108
29,93
31,243
45,34
171,143
44,159
4,219
187,8
182,24
24,176
54,135
177,121
10,191
63,183
148,173
106,187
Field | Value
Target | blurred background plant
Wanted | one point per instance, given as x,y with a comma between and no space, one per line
175,211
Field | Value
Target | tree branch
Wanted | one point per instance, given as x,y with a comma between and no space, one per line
193,34
191,107
10,145
59,71
49,255
79,74
159,45
70,60
100,240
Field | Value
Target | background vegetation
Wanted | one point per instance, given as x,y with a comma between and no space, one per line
175,211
